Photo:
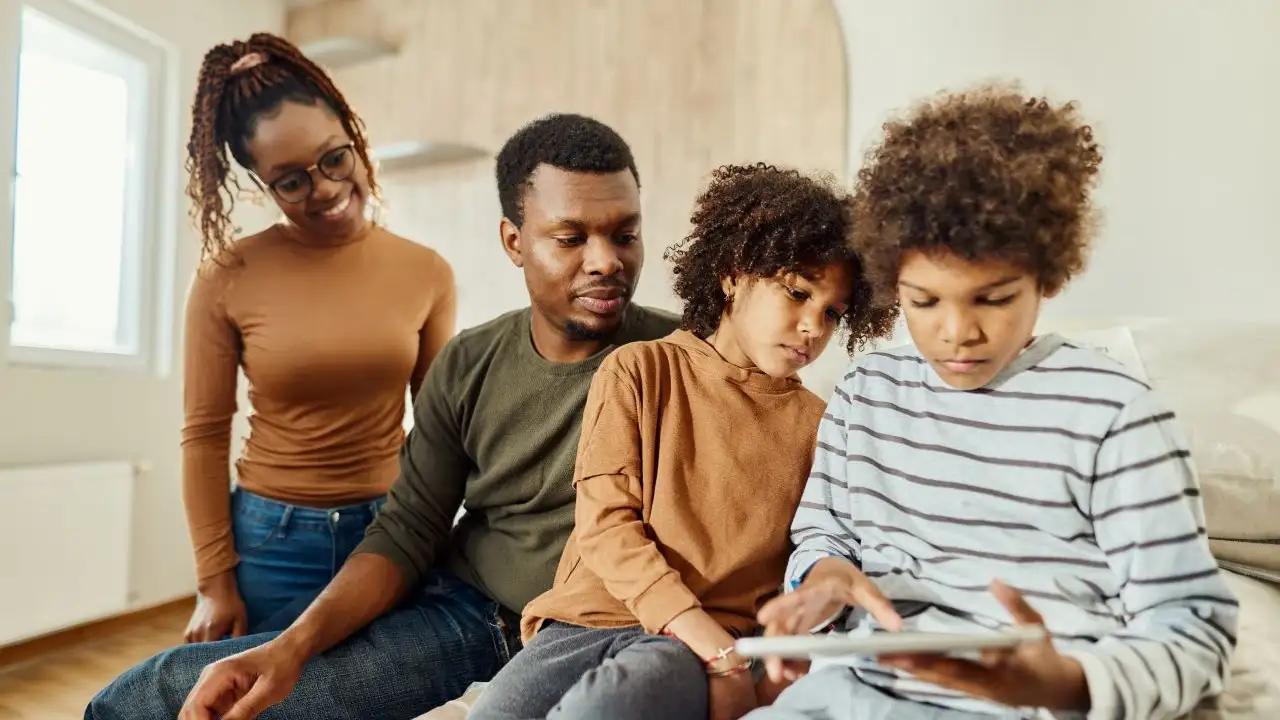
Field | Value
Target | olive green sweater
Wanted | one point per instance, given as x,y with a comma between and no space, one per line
496,429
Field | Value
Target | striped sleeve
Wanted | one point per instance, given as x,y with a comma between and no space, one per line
1176,647
822,525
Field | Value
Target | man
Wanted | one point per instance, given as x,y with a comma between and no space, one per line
422,608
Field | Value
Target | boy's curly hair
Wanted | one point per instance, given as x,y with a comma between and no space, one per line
985,174
761,220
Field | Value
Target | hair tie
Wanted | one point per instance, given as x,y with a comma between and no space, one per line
249,60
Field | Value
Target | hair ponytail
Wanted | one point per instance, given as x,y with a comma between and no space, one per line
230,97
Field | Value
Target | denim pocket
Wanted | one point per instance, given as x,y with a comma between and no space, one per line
254,532
505,631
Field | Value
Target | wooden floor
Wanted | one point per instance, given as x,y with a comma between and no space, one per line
58,676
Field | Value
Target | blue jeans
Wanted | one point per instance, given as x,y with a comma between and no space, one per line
411,660
289,553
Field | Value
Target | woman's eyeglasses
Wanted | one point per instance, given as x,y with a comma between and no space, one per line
296,186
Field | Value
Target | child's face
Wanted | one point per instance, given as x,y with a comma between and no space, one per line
969,319
782,324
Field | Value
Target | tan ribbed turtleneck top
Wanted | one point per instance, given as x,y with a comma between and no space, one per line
329,337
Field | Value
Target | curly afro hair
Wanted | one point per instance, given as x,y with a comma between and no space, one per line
762,221
571,142
987,174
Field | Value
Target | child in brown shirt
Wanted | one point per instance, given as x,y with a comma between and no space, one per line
694,452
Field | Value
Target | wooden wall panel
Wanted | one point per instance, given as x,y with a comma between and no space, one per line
689,83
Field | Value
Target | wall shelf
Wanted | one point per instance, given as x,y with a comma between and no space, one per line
412,154
343,50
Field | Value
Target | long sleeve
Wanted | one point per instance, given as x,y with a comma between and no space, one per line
439,327
609,510
1149,520
414,525
211,360
820,528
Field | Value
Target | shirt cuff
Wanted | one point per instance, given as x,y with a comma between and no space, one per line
383,544
1104,700
802,561
801,572
658,605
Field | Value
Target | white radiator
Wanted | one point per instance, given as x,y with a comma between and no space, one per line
65,535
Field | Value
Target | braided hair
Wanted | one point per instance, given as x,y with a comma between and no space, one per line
231,96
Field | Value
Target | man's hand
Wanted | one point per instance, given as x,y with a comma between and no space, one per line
731,696
832,585
219,611
241,686
1028,675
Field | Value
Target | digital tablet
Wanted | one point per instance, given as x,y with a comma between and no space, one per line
803,647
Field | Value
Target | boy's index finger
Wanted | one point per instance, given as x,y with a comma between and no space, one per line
868,597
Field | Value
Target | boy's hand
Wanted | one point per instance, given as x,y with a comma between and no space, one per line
1029,675
832,585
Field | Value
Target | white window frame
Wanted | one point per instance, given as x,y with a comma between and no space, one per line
147,262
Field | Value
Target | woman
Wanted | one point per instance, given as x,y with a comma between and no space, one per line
330,317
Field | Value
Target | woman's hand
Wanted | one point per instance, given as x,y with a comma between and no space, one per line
219,610
832,585
1028,675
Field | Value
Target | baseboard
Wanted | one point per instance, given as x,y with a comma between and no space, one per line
62,639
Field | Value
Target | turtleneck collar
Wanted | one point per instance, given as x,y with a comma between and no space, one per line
295,234
707,358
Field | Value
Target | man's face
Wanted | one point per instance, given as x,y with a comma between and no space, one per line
580,248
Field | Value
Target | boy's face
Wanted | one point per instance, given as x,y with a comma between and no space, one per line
969,319
782,324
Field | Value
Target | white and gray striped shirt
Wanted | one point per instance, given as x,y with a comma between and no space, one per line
1066,478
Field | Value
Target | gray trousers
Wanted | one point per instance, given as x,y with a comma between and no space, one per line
574,673
836,693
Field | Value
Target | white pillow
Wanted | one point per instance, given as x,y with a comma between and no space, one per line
1223,381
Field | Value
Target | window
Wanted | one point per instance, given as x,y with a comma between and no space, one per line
86,190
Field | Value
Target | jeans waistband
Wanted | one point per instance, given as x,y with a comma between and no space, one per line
254,504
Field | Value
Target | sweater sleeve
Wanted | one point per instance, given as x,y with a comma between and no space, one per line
819,529
439,326
609,510
1149,520
415,523
211,361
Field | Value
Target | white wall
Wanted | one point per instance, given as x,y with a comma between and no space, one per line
1182,91
51,415
1183,95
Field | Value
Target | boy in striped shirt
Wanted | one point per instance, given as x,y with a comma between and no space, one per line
984,476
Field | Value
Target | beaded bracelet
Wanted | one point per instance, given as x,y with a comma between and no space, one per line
736,669
720,654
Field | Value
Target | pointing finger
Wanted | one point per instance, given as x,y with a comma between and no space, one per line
1017,606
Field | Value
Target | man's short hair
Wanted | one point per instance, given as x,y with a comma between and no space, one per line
568,141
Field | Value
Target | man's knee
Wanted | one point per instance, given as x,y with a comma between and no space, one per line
155,688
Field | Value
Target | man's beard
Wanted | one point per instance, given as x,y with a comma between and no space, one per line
576,331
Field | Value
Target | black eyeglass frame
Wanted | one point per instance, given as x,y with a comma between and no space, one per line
306,173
